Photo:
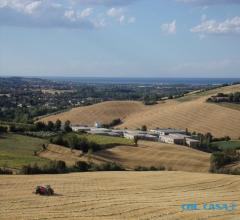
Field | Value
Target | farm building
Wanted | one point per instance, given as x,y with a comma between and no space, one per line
192,142
80,128
97,125
140,135
167,131
173,139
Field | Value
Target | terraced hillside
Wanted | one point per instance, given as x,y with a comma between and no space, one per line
192,112
146,154
119,196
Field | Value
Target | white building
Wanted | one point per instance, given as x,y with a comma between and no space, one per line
80,128
192,142
97,125
167,131
173,138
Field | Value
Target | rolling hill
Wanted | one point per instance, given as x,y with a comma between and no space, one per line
147,154
119,195
191,111
103,112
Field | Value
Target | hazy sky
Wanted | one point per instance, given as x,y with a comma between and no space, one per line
118,38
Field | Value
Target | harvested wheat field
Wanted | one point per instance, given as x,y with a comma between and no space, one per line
192,112
103,112
155,154
147,154
56,152
119,195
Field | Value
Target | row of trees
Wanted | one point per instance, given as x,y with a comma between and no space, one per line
38,126
73,141
57,167
221,97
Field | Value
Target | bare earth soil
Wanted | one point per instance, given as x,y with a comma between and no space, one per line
119,195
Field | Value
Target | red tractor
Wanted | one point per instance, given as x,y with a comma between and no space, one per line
44,190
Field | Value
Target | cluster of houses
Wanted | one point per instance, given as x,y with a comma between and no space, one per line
169,135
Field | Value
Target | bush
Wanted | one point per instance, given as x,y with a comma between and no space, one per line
226,138
152,168
110,166
3,129
55,167
59,141
5,171
220,159
114,122
82,166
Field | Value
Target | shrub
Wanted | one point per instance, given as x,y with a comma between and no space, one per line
152,168
110,166
5,171
3,129
82,166
54,167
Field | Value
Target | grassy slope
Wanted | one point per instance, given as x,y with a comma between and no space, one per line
107,140
234,144
118,196
192,113
17,150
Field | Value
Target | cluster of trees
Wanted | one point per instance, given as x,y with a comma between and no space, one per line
5,171
57,167
73,141
54,167
152,168
221,97
206,140
220,159
39,126
151,99
114,123
3,129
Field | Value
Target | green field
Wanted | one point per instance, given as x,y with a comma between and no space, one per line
107,140
235,144
18,150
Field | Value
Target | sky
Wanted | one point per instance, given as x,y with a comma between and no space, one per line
120,38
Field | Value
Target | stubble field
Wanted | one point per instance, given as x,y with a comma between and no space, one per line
119,195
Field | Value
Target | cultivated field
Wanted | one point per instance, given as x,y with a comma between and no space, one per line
119,196
192,112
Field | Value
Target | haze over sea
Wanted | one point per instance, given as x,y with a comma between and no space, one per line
167,81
